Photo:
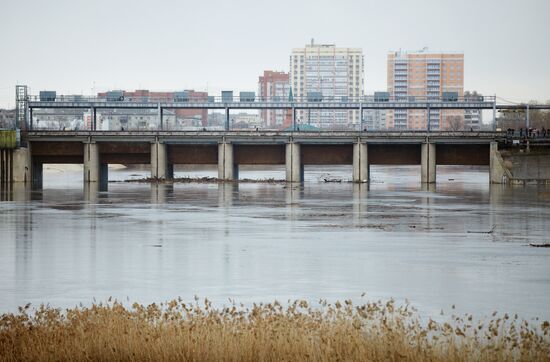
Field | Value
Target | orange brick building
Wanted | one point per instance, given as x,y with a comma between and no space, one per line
273,86
424,75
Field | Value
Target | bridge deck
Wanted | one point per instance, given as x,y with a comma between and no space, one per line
267,137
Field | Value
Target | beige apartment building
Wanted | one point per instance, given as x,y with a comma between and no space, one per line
425,75
331,73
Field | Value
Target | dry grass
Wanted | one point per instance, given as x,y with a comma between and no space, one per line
179,331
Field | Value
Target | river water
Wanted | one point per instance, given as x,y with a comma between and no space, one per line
461,242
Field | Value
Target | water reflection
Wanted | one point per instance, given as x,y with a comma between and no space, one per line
457,242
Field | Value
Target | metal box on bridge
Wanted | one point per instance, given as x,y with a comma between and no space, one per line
181,96
314,96
450,96
474,98
211,99
115,96
227,96
47,96
247,96
72,98
381,96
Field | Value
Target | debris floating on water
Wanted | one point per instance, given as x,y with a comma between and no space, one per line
540,245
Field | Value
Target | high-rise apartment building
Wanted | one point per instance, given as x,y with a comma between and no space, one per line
424,75
335,73
273,86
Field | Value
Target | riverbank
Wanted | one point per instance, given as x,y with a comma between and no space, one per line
177,330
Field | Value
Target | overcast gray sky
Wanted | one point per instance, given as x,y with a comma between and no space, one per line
70,45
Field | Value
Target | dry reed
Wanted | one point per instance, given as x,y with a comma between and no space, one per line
377,331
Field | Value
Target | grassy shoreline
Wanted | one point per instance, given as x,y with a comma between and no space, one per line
196,331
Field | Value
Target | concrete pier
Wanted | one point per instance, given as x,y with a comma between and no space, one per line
37,175
294,165
227,169
360,162
427,163
160,168
94,170
91,162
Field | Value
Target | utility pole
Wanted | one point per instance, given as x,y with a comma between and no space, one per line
527,117
495,113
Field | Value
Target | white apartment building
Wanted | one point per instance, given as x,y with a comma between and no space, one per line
335,73
473,118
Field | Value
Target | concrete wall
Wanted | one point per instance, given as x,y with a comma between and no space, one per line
527,166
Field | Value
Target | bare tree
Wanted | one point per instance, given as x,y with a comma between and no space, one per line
455,123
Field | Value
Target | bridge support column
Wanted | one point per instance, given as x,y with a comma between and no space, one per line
360,162
91,162
94,119
294,166
94,170
227,126
227,169
160,169
21,169
37,175
427,166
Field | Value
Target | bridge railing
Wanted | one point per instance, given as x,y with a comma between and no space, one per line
147,113
258,99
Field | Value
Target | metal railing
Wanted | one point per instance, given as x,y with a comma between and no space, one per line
257,99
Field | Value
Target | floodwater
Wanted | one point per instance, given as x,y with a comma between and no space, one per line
461,242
